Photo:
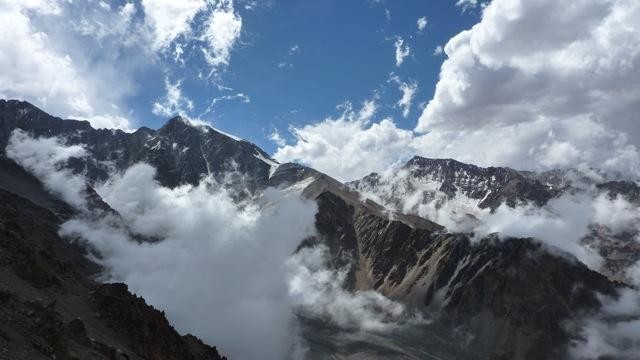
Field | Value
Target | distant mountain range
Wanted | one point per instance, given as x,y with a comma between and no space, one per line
498,298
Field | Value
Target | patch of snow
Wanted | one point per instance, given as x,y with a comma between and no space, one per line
227,134
303,184
156,146
273,164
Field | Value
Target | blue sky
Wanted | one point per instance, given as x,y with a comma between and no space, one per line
297,60
529,84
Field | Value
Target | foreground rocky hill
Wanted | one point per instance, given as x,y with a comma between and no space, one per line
486,298
50,306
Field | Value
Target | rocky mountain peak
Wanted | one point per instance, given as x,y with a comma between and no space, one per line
488,187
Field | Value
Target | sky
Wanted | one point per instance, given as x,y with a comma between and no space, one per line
347,87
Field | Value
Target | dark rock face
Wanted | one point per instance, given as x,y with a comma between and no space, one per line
181,153
627,189
51,307
145,329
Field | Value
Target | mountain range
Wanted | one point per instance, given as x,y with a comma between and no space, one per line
410,234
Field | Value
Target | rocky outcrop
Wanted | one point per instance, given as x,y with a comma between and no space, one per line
146,330
490,187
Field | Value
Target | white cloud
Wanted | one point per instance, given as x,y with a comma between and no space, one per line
241,97
422,23
294,49
47,69
466,4
402,51
319,291
219,32
173,102
349,146
43,157
408,90
613,333
222,31
549,90
277,138
437,51
169,19
241,250
104,24
618,214
562,223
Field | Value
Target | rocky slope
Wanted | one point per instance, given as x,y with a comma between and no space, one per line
51,308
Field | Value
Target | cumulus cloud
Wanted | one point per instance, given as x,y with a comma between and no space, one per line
173,102
81,59
170,19
45,157
437,51
511,95
348,146
47,68
402,50
561,84
222,31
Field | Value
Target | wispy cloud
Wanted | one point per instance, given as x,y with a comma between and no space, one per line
173,102
402,50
